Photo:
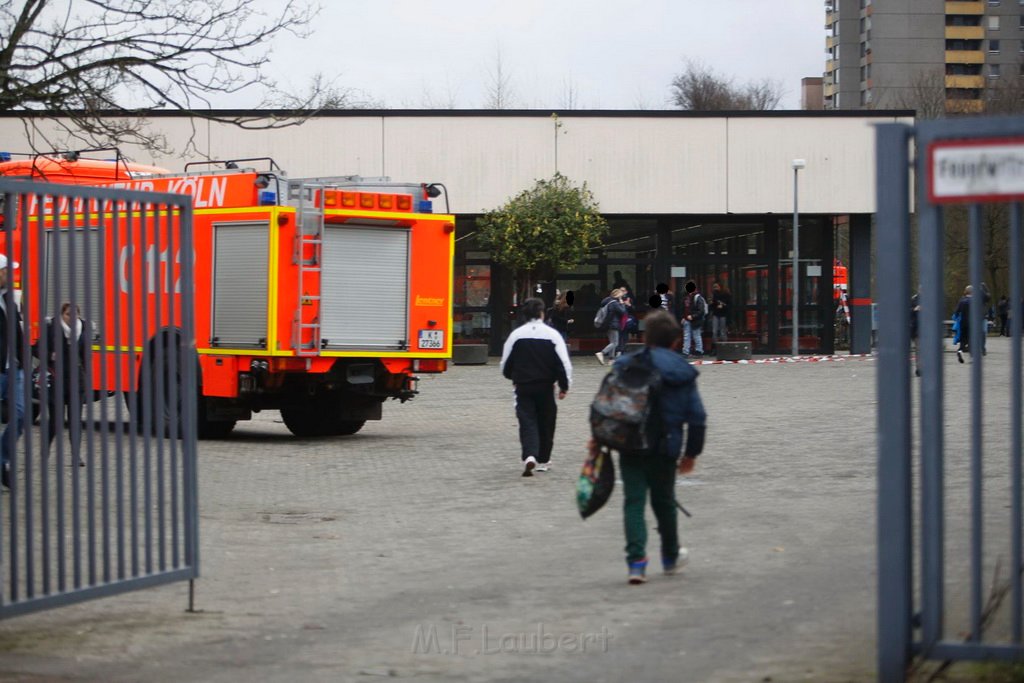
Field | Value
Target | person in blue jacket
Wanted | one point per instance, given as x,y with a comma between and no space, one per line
654,470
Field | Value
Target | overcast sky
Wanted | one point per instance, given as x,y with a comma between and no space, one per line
611,55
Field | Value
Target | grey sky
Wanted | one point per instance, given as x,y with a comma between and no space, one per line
613,55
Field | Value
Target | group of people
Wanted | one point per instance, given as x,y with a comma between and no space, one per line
64,339
693,313
536,359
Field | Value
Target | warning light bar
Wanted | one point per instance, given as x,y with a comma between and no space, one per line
370,201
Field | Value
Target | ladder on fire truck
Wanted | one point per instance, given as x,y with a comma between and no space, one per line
307,253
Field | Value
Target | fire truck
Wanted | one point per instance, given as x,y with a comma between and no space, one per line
318,297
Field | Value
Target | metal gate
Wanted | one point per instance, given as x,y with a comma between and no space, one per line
937,513
99,492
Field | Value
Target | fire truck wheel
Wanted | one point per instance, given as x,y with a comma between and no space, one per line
347,427
214,429
308,420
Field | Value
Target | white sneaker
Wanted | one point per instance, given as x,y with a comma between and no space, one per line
528,465
542,467
672,567
600,358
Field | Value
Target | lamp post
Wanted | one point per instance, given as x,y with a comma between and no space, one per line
797,165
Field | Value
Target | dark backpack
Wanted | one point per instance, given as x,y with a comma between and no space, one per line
623,414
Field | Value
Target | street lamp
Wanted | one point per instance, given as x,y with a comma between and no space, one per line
797,165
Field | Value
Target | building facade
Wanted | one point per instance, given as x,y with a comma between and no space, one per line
934,56
704,196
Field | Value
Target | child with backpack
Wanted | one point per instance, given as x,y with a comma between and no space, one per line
674,401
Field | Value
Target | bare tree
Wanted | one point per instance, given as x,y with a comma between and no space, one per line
699,88
500,92
570,95
96,67
926,95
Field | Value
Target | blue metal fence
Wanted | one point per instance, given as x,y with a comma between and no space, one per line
913,612
108,503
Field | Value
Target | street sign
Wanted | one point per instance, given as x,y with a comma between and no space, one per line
976,170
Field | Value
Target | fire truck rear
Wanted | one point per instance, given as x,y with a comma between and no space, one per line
318,297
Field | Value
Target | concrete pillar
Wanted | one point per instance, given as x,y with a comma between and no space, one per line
860,283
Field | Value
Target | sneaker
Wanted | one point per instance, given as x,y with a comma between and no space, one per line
542,467
600,358
960,355
638,572
671,566
528,465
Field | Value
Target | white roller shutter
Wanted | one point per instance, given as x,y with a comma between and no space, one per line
240,259
365,287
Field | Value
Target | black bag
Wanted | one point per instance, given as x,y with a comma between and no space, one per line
620,415
596,481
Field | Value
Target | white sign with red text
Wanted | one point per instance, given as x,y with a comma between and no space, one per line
978,170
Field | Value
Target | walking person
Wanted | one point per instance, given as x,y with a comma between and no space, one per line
654,470
721,302
66,341
560,315
695,310
12,379
963,309
1003,311
613,322
535,359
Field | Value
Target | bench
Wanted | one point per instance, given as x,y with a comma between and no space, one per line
733,350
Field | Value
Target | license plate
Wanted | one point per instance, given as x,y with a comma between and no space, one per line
431,339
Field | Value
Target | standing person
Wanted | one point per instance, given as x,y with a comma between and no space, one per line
68,333
13,395
721,301
627,324
613,322
668,300
559,316
678,403
695,309
535,359
1003,311
963,309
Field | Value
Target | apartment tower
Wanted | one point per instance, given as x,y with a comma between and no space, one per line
934,56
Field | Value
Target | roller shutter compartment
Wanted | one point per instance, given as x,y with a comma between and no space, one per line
240,284
365,288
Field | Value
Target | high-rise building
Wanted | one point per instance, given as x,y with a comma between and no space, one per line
937,55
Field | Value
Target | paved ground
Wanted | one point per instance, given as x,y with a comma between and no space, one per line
415,550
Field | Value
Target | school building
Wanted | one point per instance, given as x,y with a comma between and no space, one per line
707,196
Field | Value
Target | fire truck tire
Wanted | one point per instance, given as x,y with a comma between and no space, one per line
347,427
308,420
214,429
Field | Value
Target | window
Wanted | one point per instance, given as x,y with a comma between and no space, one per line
993,70
993,46
993,23
1020,23
1022,46
863,74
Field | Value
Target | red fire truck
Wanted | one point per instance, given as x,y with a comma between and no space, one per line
318,297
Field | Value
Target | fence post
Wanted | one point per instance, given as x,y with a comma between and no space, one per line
894,493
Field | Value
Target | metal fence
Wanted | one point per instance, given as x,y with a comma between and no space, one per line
100,488
955,512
